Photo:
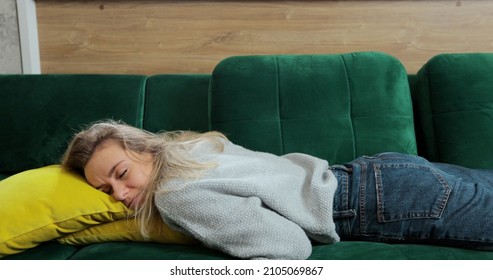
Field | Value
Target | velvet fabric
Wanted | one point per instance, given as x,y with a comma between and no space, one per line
40,113
335,107
177,102
41,108
354,250
455,108
51,250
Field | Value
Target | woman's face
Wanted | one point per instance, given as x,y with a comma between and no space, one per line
119,172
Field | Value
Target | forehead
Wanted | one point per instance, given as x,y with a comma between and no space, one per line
105,156
107,150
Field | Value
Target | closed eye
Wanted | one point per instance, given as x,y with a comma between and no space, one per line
123,174
106,189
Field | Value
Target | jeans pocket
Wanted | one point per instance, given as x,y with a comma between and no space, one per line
410,191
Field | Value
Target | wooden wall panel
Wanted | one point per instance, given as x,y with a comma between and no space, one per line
161,36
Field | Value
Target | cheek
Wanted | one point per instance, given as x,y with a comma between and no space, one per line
146,173
140,176
141,180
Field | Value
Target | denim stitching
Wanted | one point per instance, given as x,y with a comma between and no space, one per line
437,208
362,197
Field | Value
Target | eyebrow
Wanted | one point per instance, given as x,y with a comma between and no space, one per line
112,170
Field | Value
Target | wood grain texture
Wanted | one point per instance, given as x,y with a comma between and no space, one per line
149,37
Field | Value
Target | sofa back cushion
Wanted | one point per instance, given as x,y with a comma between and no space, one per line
335,107
40,113
177,102
454,97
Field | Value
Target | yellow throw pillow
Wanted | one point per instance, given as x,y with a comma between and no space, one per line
45,203
126,230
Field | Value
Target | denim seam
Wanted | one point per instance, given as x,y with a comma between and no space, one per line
362,197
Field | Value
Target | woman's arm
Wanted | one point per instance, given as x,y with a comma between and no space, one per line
239,226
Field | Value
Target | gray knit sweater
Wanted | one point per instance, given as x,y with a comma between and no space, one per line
254,205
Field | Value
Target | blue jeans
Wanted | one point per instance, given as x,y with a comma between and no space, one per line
399,198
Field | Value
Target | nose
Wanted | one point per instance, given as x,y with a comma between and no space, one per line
119,191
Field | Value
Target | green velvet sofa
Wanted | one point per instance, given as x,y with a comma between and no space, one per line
335,106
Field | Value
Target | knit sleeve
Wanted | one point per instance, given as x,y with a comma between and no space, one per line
239,226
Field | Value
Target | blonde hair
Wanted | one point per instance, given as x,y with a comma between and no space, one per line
171,152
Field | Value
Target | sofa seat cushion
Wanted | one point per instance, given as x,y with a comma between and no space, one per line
362,250
147,251
335,107
50,250
454,96
346,250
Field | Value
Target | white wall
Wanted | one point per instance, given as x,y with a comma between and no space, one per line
28,35
10,50
19,46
